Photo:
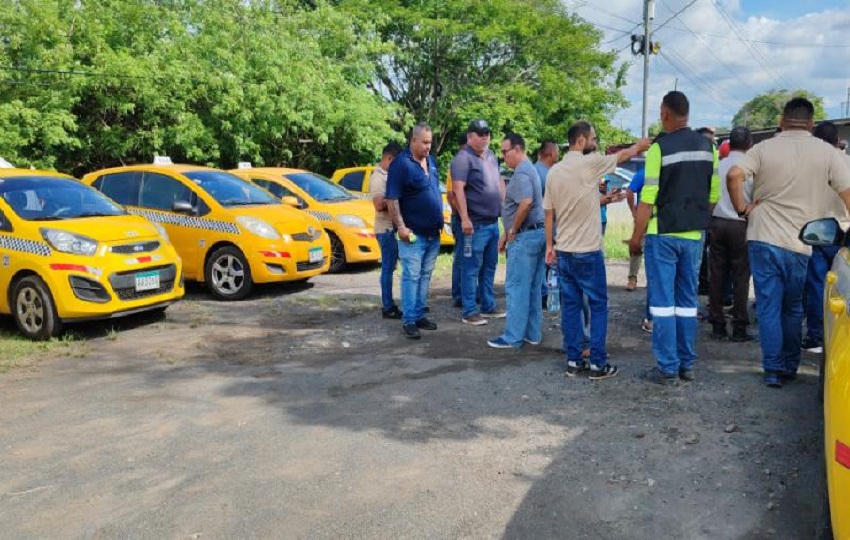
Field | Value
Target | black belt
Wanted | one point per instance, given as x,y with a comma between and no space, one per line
532,227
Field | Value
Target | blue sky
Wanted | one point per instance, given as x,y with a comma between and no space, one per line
789,45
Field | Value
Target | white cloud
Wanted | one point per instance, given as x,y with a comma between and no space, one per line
720,74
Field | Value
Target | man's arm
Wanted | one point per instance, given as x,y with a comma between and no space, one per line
458,188
550,241
630,200
379,203
845,196
735,185
628,153
652,175
398,221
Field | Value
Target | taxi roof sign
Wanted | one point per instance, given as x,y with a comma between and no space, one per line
243,165
5,164
162,160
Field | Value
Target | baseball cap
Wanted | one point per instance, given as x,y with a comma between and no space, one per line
479,127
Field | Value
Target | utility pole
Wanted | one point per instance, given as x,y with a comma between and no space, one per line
847,104
648,16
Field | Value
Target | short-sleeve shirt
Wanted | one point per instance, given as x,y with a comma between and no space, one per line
417,192
572,191
543,173
724,208
378,188
482,184
525,184
790,174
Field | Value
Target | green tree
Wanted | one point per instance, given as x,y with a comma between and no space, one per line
763,111
523,65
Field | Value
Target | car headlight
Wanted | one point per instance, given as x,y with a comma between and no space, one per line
258,227
352,221
162,231
68,242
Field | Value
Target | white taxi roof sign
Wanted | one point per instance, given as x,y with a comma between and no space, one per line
5,164
162,160
243,165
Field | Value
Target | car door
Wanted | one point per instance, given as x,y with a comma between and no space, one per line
356,182
5,253
837,391
157,195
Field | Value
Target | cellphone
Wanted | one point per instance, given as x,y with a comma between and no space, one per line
615,191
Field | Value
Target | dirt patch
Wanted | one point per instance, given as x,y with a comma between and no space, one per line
301,410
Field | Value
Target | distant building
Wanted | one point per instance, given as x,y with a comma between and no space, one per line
843,125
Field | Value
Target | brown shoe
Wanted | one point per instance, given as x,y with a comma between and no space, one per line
632,285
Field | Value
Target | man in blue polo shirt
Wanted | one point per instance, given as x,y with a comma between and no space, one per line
416,208
479,190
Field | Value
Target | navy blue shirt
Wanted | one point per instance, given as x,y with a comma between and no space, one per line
417,192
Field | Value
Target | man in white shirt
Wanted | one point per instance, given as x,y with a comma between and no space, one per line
728,249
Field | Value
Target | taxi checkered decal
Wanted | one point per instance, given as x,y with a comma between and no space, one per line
187,221
25,246
321,216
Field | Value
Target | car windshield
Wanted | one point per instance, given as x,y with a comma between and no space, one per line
319,187
229,190
50,198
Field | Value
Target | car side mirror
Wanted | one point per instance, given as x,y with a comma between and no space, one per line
289,200
822,232
183,207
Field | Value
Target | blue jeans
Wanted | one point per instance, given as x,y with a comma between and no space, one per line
819,265
672,274
523,278
389,260
417,265
583,274
479,270
457,254
779,276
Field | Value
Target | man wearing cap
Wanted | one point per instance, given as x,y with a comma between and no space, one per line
478,191
728,253
680,189
791,173
572,197
416,207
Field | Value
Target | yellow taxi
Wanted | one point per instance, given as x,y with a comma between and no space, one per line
348,220
230,234
835,374
67,253
356,180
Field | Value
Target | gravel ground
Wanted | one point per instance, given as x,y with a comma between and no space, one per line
300,413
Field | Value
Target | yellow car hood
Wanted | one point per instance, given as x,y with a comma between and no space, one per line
277,214
355,207
107,229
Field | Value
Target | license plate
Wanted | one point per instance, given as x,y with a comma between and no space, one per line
147,281
316,255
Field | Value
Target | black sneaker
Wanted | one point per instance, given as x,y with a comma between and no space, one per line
411,331
740,335
687,375
577,368
772,379
605,372
812,345
426,324
393,313
788,376
656,376
718,332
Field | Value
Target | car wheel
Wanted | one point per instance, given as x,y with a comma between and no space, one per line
33,309
228,275
337,254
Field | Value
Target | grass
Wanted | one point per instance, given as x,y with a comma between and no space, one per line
618,231
18,351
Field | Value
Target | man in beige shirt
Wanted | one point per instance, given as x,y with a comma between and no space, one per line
790,174
822,256
384,230
572,194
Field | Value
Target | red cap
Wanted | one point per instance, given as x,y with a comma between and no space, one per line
724,149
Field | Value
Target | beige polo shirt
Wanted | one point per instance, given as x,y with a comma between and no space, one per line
572,191
378,187
791,173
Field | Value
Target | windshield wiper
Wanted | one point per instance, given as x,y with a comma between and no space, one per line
50,218
233,202
96,214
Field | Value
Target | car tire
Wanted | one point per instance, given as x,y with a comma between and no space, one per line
227,274
33,309
338,262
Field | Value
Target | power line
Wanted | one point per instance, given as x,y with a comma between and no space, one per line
665,23
600,9
697,81
627,33
777,43
710,50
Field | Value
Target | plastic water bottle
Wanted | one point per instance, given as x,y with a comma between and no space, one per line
553,296
467,245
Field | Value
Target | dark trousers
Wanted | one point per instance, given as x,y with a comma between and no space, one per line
728,256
